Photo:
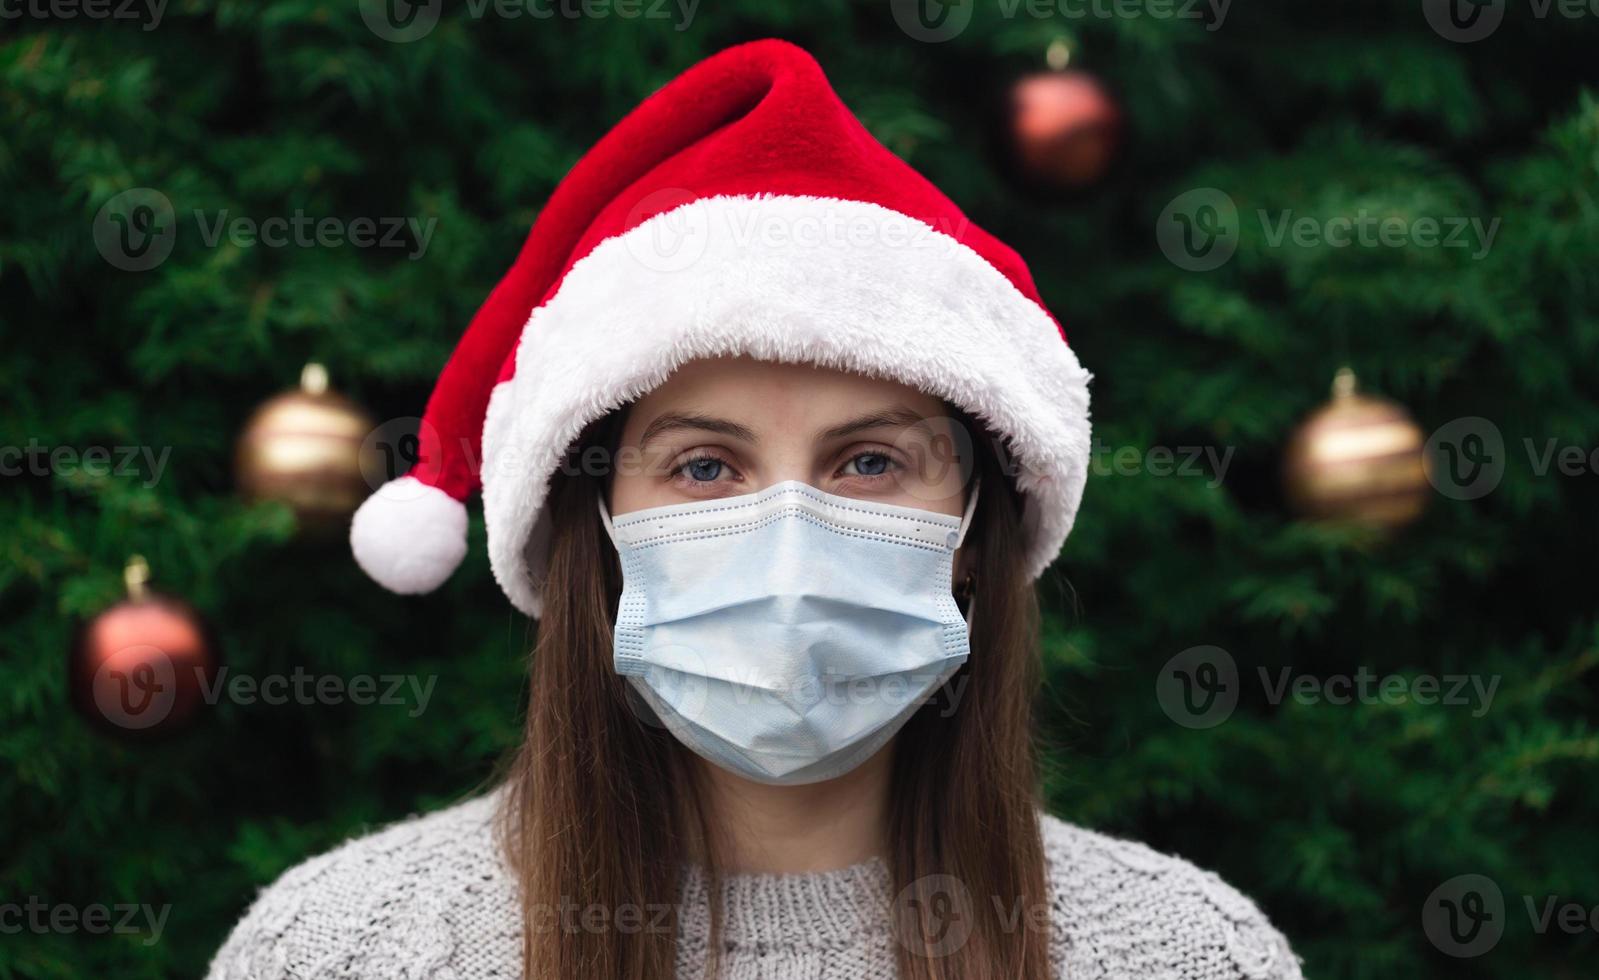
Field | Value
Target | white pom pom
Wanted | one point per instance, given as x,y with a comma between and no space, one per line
409,536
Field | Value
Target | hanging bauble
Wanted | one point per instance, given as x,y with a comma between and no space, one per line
143,666
305,449
1358,460
1065,127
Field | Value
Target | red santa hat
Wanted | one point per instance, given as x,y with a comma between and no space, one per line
741,210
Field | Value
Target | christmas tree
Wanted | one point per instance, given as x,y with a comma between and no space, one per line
1405,188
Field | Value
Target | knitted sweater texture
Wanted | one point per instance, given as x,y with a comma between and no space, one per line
432,899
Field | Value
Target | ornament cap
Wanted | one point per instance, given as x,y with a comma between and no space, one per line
1059,54
314,379
1345,383
135,576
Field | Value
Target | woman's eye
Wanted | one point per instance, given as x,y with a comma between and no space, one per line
867,464
703,470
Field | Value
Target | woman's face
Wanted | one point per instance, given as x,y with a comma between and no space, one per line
728,426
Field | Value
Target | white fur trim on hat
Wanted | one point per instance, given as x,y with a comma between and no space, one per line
839,284
409,536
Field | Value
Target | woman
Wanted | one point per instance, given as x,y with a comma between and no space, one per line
772,441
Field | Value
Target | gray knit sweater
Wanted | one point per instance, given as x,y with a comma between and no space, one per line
430,899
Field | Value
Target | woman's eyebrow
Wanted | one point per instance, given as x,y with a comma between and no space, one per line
674,421
896,415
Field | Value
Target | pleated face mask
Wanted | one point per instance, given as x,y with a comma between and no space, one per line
786,635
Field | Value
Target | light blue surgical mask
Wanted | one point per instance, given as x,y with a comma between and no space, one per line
786,635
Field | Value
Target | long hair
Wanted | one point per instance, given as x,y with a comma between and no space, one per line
603,809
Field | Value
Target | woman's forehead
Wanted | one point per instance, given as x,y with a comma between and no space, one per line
772,393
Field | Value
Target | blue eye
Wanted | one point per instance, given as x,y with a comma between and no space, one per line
870,464
703,470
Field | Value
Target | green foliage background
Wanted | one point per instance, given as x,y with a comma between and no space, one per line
1340,820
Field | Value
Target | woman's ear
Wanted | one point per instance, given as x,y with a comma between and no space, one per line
965,563
964,575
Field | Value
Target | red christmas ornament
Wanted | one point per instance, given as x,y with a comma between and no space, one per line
1065,126
141,667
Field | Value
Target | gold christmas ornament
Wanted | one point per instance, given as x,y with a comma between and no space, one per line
1358,460
304,448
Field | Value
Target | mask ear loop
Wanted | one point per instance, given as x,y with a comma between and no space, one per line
960,538
605,516
971,508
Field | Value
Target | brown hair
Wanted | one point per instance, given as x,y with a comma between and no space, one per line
604,810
